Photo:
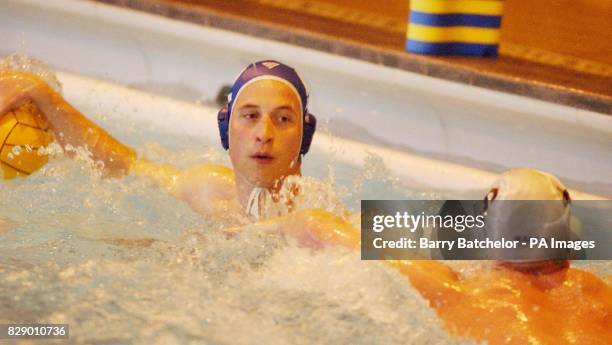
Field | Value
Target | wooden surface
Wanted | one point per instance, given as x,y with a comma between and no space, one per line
575,28
555,50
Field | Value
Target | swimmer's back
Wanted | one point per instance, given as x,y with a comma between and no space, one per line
576,310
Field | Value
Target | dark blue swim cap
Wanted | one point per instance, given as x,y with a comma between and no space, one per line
268,69
271,70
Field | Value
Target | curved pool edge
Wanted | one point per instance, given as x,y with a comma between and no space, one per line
450,121
199,120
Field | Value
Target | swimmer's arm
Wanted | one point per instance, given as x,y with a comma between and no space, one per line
434,280
68,124
311,227
325,226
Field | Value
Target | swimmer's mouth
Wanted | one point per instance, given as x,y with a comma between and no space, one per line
263,157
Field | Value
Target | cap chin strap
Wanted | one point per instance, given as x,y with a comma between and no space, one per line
257,200
261,197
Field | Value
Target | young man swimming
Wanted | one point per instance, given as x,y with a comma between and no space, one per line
265,126
520,302
542,303
509,302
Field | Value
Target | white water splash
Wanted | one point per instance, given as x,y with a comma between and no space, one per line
24,63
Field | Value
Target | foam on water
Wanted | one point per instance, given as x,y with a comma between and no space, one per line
22,62
123,262
77,252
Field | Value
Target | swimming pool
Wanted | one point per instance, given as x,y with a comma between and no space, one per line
481,132
74,248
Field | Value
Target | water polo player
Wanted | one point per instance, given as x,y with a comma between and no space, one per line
265,126
510,302
530,301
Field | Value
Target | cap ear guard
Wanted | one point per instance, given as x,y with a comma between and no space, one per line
310,126
223,122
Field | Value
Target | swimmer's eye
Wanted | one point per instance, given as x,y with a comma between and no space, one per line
285,119
250,115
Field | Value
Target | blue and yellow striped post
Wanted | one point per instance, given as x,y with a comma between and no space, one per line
455,27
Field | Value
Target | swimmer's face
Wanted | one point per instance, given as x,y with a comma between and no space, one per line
265,132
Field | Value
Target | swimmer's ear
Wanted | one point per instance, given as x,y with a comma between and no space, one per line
566,197
491,195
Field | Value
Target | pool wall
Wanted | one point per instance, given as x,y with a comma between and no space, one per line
443,134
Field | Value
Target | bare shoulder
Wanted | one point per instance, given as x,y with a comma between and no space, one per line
208,176
210,171
207,188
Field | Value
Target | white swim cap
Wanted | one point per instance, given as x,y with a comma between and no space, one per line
524,204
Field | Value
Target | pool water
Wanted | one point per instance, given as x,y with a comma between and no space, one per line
77,249
74,249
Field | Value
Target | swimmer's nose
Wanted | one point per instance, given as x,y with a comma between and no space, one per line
265,130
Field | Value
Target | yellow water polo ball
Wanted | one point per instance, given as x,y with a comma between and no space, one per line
23,131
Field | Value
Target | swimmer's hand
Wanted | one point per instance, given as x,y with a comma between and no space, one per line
67,123
15,89
314,228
